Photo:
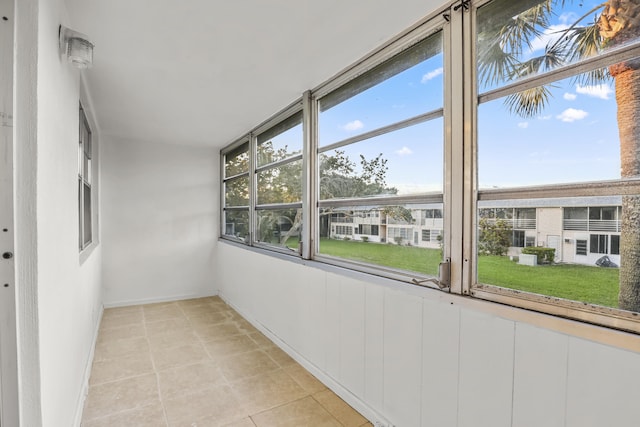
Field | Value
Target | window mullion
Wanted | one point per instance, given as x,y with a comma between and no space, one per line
253,188
309,195
456,163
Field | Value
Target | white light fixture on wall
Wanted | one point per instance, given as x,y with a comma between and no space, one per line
76,47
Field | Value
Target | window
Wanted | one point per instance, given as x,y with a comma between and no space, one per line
615,245
517,239
371,230
581,247
535,111
376,133
236,192
512,136
598,243
84,183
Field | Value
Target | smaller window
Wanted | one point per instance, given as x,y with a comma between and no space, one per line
581,247
426,235
85,211
529,241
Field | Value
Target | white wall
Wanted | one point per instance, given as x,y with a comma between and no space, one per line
420,357
58,298
159,221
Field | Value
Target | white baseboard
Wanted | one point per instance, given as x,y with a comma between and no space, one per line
84,391
358,404
159,299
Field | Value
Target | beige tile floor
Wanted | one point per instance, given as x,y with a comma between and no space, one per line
198,363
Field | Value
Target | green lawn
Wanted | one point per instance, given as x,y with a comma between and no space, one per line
575,282
403,257
583,283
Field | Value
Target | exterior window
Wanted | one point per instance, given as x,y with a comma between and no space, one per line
517,240
598,243
581,247
236,192
376,134
84,183
279,183
615,245
531,91
356,173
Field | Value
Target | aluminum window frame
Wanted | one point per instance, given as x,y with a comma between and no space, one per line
461,195
591,313
436,24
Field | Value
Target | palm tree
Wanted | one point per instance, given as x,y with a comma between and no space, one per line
615,23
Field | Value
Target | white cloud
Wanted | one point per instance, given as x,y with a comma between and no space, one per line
550,35
354,125
598,91
404,151
544,117
571,115
431,75
523,125
569,96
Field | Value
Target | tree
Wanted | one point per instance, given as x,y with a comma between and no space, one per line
615,23
494,237
340,177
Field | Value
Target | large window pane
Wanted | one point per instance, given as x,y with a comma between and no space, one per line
566,130
236,161
573,139
405,86
282,184
280,227
282,141
236,192
518,39
404,162
401,237
236,223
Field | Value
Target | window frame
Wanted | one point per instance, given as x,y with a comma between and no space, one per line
461,194
87,178
605,316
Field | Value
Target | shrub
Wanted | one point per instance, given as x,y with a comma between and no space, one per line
365,239
346,238
545,255
398,240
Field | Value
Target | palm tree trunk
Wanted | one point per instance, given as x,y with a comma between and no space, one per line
628,100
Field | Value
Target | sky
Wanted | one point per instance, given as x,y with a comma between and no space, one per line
574,139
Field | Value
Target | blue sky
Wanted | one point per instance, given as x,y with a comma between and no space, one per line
575,138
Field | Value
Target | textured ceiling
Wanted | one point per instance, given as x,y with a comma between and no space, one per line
202,72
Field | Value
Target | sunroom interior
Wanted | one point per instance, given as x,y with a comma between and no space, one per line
181,189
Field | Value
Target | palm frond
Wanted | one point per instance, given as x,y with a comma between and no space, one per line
528,103
593,77
497,65
525,27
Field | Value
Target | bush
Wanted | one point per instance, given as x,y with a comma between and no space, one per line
545,255
365,239
398,240
346,238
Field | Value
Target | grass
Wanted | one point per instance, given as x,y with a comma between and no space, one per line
409,258
583,283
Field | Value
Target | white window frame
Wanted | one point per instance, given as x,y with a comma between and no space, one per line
85,106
